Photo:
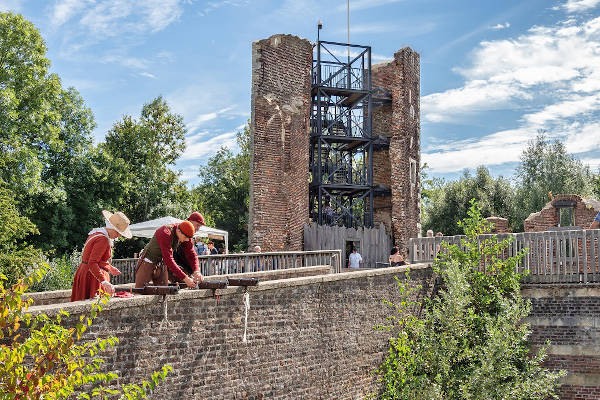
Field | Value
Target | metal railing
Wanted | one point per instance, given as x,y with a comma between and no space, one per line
569,256
223,264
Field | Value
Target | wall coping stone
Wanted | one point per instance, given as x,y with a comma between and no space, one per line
83,306
557,290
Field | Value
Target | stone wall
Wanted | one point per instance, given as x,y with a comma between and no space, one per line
280,106
568,316
400,122
308,337
585,210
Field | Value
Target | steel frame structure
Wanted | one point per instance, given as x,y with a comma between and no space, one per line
341,140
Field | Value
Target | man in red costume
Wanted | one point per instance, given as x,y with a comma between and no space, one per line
93,274
157,262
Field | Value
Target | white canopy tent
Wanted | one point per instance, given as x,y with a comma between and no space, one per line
147,228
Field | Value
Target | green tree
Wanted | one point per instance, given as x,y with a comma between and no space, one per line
470,341
447,203
141,153
45,136
224,190
546,167
16,255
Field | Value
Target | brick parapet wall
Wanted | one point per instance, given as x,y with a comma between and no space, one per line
567,315
64,296
308,338
585,211
280,112
401,123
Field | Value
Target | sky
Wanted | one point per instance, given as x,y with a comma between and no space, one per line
493,73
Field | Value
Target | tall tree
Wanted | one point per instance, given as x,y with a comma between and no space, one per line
45,135
225,190
142,153
547,167
447,203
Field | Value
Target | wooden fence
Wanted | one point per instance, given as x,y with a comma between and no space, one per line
222,264
570,256
374,244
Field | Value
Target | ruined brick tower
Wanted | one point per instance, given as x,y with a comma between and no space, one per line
281,83
281,131
398,167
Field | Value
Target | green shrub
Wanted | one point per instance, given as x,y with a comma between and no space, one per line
60,275
42,359
470,341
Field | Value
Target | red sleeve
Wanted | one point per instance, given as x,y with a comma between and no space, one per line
164,235
96,261
190,255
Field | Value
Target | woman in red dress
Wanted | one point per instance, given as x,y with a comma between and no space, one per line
93,274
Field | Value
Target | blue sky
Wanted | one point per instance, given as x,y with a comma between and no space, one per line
492,72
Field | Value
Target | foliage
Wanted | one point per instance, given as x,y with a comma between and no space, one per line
225,190
447,203
45,135
60,273
141,152
42,359
470,341
16,255
546,167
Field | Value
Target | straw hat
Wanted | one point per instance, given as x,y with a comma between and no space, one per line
119,221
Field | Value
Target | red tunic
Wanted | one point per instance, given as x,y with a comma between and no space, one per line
93,268
165,236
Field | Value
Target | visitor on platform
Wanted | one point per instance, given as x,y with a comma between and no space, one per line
212,249
157,262
396,258
93,274
355,259
596,222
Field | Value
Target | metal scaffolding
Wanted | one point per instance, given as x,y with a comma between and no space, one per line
341,140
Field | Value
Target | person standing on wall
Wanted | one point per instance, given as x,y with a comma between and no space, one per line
157,263
596,222
355,259
93,274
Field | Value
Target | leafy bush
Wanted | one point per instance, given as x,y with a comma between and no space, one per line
470,341
42,359
60,275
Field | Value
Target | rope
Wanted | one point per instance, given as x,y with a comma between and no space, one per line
247,307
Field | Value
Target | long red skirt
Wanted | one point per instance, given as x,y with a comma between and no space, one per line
85,286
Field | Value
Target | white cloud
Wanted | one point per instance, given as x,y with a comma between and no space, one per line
574,6
214,5
148,75
548,75
197,148
64,10
501,26
129,62
11,5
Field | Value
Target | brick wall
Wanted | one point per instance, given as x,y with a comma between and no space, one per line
500,224
281,84
308,338
585,210
567,315
400,122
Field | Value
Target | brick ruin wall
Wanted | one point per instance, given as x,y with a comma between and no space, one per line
308,337
567,315
281,84
400,122
585,210
500,224
281,88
